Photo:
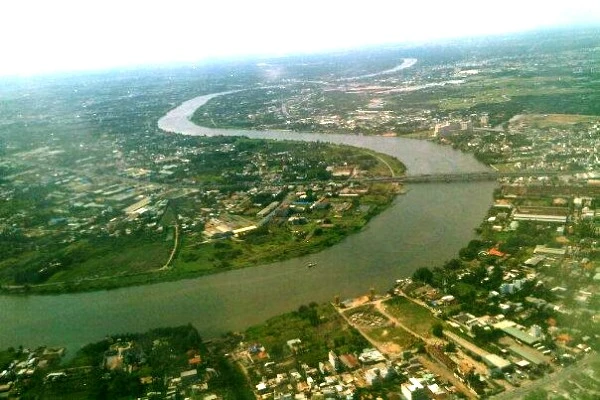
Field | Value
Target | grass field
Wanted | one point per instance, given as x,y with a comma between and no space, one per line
393,337
414,316
554,120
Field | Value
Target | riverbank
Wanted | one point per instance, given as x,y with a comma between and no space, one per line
193,256
314,210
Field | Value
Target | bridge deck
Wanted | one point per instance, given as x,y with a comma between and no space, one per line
461,177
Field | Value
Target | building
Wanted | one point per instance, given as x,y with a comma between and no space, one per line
532,356
189,376
484,120
349,361
446,128
496,363
267,210
378,372
510,329
561,219
371,356
543,249
534,261
437,392
138,207
534,301
294,344
334,361
414,390
244,230
507,288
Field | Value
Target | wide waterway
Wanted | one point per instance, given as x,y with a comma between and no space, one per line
424,227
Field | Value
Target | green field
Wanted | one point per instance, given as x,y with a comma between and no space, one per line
413,316
394,336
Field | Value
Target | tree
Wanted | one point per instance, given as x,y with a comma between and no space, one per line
450,347
470,252
474,381
423,274
453,264
437,329
276,351
309,313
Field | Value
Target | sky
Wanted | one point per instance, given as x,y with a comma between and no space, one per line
41,36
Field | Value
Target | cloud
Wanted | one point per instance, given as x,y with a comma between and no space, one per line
70,35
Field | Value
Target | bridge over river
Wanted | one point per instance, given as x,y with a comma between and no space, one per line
480,176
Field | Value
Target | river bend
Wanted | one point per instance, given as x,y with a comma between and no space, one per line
425,227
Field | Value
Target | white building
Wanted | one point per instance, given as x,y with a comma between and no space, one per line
414,390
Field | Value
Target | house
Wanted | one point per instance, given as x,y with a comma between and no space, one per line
334,360
543,249
189,376
510,328
531,355
414,390
349,361
294,344
378,372
195,361
534,261
495,252
5,388
496,363
371,356
261,387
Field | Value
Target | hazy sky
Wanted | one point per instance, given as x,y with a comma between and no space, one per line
55,35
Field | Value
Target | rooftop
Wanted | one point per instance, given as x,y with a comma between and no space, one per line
533,356
496,361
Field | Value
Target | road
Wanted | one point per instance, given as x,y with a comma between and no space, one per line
175,246
443,372
392,173
461,177
549,381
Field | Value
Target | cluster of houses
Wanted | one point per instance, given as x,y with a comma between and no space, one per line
339,376
127,356
292,204
27,363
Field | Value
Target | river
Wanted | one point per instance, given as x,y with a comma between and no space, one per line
424,227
